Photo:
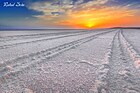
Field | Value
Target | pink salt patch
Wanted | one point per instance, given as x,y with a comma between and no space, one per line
1,63
26,90
9,67
137,64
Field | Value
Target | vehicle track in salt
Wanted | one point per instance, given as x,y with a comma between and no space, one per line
121,76
17,65
103,71
39,40
134,54
20,37
29,48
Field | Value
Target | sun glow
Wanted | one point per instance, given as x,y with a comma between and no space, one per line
98,18
90,25
103,17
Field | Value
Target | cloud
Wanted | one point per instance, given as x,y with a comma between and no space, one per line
49,8
98,17
94,13
79,2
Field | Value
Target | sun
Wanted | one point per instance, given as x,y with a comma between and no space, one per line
90,25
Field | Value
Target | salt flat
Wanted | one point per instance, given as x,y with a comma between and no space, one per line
88,61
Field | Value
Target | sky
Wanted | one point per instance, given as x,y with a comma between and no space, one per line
69,13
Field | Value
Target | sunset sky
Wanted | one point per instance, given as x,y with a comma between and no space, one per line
71,13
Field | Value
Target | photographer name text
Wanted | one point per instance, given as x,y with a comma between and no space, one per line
11,4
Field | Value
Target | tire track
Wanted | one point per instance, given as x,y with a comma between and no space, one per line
25,49
35,41
122,76
17,37
25,62
132,52
39,40
102,82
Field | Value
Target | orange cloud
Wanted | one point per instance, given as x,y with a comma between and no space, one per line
105,17
87,15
